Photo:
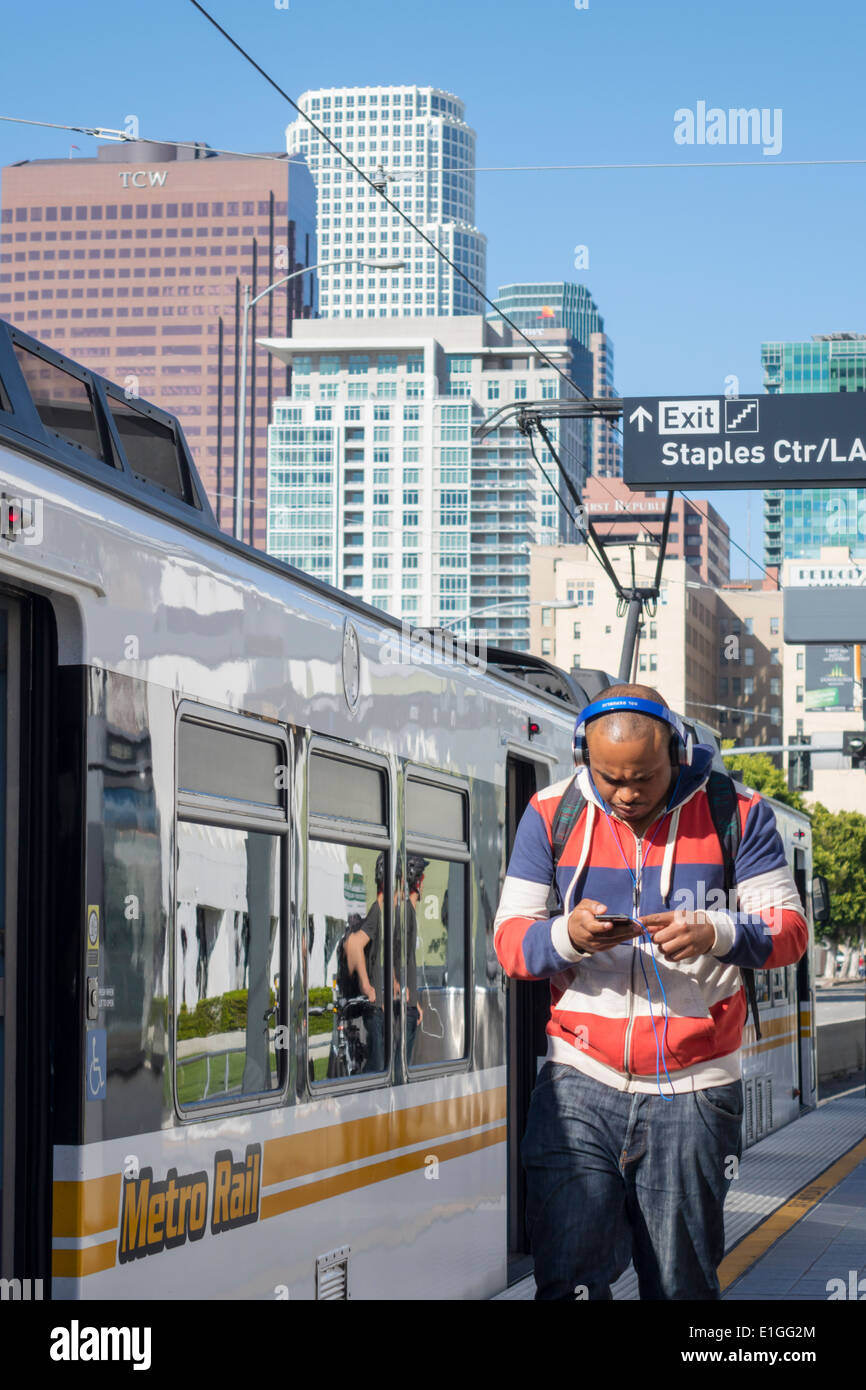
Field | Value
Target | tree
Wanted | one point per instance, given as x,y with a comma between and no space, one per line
759,771
839,853
838,847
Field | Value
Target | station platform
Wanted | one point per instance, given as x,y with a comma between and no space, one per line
795,1217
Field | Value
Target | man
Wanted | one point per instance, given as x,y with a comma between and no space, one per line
415,870
637,1113
363,948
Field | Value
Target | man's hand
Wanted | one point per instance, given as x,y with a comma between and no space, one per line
369,991
588,934
681,935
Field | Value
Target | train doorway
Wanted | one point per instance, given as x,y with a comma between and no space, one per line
528,1012
28,815
10,665
807,1050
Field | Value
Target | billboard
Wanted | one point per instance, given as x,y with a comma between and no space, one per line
831,671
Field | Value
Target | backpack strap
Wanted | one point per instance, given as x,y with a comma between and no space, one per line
724,809
565,818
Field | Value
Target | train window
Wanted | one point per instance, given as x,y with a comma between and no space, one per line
762,987
5,403
434,810
62,402
346,790
151,449
230,922
350,914
779,985
219,762
436,907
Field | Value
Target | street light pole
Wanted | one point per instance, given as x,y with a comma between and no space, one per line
241,424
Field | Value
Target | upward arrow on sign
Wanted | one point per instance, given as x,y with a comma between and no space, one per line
642,416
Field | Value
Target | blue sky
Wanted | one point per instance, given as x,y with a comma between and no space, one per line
692,268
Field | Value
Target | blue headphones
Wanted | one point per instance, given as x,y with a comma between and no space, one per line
681,744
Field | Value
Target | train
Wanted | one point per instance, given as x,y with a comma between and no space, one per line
216,769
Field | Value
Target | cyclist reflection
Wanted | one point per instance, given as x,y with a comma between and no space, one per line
363,956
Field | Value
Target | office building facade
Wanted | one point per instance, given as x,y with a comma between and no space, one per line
538,308
697,533
799,522
749,702
715,653
416,143
379,484
574,621
823,686
133,263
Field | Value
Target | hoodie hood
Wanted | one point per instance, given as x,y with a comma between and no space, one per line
691,779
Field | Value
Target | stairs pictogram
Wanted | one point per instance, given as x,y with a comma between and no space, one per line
741,417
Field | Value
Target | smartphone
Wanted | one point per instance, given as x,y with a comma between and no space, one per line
616,919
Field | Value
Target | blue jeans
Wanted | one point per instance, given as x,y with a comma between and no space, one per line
613,1176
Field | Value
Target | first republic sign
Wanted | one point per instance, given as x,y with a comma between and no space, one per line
745,441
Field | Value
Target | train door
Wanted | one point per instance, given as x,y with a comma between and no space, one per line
9,743
28,812
528,1012
808,1075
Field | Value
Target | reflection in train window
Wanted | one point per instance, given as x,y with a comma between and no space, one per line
227,963
762,986
436,923
350,902
229,938
62,401
779,985
348,919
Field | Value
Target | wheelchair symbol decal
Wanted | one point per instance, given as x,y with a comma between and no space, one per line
95,1067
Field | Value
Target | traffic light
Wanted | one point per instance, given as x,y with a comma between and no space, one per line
800,767
854,747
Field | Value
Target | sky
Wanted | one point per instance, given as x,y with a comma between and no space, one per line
692,268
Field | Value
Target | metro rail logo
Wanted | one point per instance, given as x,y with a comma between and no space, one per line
157,1216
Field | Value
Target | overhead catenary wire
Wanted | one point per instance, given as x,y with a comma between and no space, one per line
391,204
651,164
105,132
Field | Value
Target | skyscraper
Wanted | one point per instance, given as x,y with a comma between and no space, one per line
379,483
415,140
132,263
537,308
799,521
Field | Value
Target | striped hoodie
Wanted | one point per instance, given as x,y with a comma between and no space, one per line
607,1010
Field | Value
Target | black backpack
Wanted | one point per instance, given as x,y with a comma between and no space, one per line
723,808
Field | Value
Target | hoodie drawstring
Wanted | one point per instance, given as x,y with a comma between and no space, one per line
668,861
584,855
